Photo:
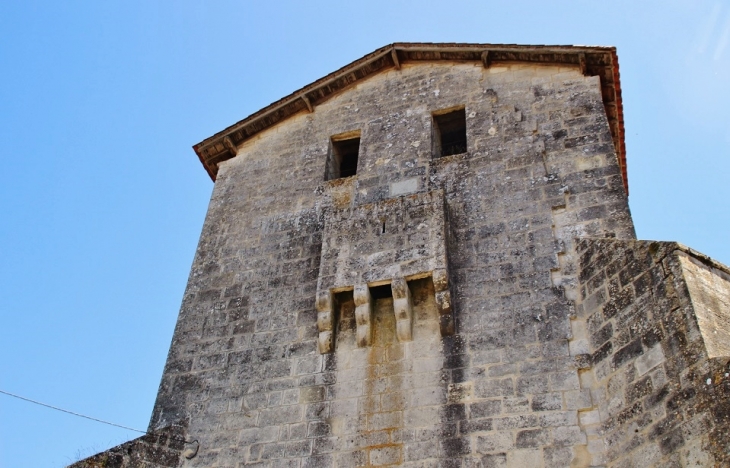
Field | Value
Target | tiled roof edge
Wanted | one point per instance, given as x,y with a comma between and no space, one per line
593,60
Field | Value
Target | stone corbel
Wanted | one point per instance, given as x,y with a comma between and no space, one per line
363,315
443,301
403,307
325,322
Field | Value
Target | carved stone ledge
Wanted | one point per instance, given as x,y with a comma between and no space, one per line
363,315
403,308
443,301
325,322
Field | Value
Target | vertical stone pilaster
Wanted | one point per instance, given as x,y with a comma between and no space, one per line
363,315
403,308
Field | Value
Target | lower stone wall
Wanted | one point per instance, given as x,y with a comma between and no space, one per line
652,386
164,448
662,400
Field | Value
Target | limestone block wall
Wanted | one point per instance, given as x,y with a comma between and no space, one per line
372,243
387,403
165,448
660,398
540,169
709,289
387,243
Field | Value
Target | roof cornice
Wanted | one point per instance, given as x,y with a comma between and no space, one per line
593,61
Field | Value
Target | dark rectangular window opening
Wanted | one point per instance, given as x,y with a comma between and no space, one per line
344,303
381,292
449,133
343,157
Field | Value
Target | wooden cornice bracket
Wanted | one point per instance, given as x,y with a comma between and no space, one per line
486,59
394,56
307,102
230,146
582,63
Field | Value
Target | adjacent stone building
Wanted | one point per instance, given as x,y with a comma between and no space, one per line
426,259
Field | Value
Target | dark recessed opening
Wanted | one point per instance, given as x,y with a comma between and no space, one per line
345,304
450,133
381,292
343,158
343,297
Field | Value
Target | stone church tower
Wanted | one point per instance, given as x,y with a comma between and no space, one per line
426,259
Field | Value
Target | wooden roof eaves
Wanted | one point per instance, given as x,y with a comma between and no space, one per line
212,150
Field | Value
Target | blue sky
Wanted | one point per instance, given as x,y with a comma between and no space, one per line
102,198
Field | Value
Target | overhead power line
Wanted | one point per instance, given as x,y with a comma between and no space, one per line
84,416
71,412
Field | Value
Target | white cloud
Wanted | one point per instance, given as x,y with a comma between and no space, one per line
705,33
723,41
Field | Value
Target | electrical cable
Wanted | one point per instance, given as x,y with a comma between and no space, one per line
88,417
